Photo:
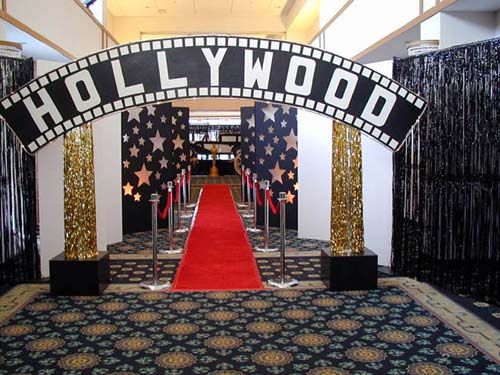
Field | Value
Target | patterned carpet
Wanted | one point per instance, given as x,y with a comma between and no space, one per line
397,329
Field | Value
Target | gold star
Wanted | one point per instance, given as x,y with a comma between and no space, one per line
143,175
282,156
135,130
158,175
269,149
289,197
178,166
270,129
277,172
126,163
133,151
296,186
141,141
276,140
291,175
291,141
157,141
183,157
178,142
183,126
127,189
163,186
296,163
163,162
137,197
149,158
261,137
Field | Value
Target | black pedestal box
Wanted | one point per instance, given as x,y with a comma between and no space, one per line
79,277
350,272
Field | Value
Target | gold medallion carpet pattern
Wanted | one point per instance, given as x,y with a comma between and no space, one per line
404,327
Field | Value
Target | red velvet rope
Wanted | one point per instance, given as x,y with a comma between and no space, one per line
163,214
274,209
177,191
257,193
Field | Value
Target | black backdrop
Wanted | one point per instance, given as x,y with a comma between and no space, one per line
447,174
19,258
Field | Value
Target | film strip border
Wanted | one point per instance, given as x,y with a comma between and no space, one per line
215,91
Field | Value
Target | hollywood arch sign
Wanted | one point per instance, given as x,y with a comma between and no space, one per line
154,71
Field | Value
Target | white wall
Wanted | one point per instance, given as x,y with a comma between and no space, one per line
497,22
315,154
108,189
466,27
50,177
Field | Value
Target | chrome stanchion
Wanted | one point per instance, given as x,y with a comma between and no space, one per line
189,204
249,206
155,283
185,214
282,282
265,248
171,249
180,228
254,229
242,203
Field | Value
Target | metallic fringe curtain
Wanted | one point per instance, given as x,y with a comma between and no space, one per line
447,174
80,238
346,237
19,257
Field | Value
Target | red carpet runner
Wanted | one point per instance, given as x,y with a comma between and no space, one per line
218,255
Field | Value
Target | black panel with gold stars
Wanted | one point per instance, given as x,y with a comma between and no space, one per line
150,156
277,157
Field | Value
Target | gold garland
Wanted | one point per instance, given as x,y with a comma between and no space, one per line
346,236
80,238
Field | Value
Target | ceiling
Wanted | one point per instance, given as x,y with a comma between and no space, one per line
180,8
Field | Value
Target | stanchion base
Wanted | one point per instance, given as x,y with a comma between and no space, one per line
191,205
186,216
247,215
254,230
287,283
242,205
173,251
155,285
181,230
265,250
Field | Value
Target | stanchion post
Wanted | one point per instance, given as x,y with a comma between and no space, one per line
283,281
265,248
242,203
254,229
155,283
189,205
185,214
179,229
248,182
171,249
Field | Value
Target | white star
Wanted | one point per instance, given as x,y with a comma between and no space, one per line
133,151
135,130
157,141
149,158
183,126
174,120
125,138
163,119
286,109
149,125
133,114
141,141
283,124
179,113
163,162
151,110
158,175
178,142
291,141
251,148
251,122
183,157
269,112
269,149
163,186
261,161
270,129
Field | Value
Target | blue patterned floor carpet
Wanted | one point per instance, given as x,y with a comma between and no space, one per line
310,331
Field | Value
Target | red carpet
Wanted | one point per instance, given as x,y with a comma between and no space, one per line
218,255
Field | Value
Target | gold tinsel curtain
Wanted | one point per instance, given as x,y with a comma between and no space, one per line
347,201
80,239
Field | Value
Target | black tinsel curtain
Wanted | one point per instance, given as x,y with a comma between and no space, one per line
19,258
447,174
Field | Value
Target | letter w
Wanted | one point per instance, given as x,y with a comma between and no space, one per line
257,72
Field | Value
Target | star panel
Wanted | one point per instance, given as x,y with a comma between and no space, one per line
276,157
247,135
